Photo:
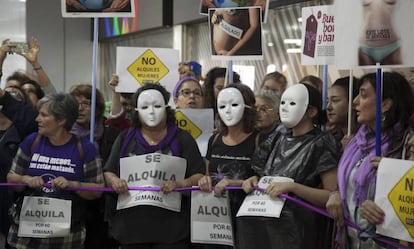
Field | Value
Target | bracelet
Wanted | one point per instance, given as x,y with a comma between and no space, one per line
333,192
37,68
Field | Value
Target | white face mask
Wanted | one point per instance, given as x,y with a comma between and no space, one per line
230,105
293,105
151,107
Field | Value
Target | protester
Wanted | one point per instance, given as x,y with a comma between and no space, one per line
275,82
153,130
267,107
306,155
229,152
356,175
103,138
55,144
188,93
337,108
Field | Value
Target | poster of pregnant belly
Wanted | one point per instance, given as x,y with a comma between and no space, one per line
236,33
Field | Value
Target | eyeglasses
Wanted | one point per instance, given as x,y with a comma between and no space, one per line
187,93
263,109
85,103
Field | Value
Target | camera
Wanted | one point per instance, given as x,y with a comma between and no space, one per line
19,47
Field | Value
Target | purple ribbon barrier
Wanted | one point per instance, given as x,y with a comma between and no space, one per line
287,197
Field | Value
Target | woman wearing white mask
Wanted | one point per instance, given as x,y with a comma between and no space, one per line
229,152
304,154
154,130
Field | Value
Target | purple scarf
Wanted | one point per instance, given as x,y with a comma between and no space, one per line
168,141
98,131
362,145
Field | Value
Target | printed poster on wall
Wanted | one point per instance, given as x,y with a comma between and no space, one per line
373,31
99,8
151,170
136,66
394,195
236,33
210,219
199,123
318,38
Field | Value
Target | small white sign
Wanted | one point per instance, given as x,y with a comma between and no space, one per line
258,203
210,219
151,170
394,195
44,217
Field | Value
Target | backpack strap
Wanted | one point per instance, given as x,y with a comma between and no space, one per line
256,142
34,143
80,149
212,143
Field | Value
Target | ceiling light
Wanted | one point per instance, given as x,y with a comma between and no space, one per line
270,68
294,50
293,41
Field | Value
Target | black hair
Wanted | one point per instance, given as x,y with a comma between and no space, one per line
396,88
208,86
315,100
38,90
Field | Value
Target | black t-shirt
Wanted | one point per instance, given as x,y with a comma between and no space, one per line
232,162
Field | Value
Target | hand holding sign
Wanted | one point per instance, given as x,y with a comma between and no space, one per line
277,188
370,211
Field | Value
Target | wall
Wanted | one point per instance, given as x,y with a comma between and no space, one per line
66,46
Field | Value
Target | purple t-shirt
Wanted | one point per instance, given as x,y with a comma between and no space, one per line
50,161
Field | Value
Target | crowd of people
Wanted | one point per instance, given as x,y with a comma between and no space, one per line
278,130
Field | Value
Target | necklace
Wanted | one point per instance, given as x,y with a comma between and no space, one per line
154,138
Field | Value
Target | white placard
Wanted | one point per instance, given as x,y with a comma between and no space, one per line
199,123
318,38
136,65
258,203
44,217
394,195
151,170
210,219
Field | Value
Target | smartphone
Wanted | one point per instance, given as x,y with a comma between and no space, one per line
19,47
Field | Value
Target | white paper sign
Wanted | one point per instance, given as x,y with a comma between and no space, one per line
258,203
394,195
318,39
199,123
151,170
210,219
43,217
136,66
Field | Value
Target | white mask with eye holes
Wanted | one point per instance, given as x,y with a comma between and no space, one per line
151,107
230,106
293,105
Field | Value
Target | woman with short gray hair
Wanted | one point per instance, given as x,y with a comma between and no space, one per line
48,163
